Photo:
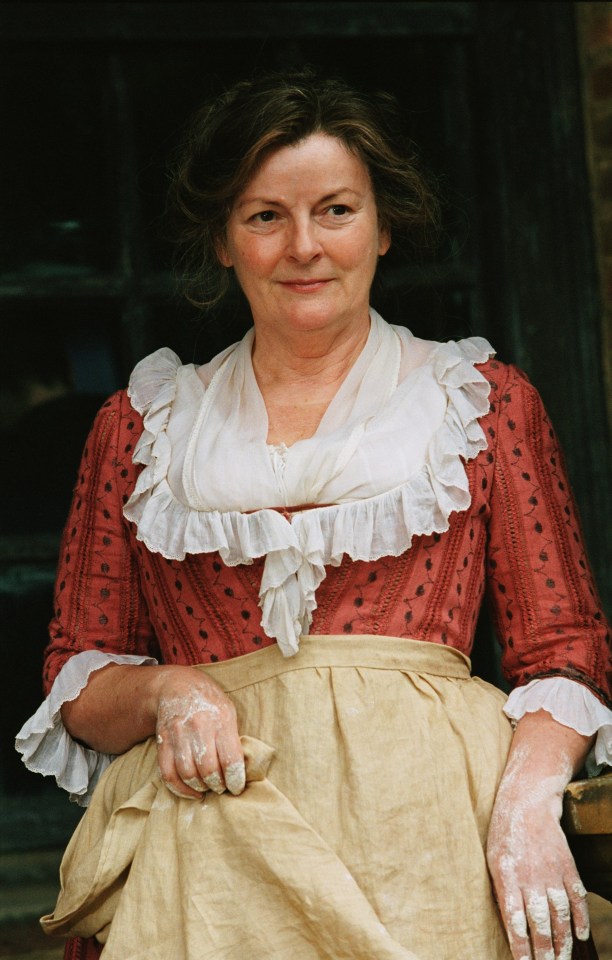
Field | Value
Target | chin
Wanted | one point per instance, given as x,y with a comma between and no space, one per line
320,317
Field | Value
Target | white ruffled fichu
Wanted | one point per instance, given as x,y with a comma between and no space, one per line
386,464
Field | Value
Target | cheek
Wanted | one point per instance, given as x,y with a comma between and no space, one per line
358,251
253,260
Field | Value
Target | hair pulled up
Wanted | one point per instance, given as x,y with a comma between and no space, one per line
228,139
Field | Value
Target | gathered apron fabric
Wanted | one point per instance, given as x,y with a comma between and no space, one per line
372,766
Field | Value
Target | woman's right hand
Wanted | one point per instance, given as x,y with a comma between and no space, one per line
198,745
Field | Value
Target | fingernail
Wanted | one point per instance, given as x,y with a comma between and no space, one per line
235,777
196,784
213,780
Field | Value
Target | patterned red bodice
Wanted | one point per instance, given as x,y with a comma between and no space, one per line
520,541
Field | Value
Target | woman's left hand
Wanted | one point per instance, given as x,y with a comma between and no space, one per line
540,895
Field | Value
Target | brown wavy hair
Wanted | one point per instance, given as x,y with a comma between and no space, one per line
228,139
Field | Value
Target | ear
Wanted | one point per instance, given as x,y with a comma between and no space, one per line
384,241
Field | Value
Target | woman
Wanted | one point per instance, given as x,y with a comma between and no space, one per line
313,516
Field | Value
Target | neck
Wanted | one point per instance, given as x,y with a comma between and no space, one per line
299,377
314,358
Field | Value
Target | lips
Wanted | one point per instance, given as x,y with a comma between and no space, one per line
303,285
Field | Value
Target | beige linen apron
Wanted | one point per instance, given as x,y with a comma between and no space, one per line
372,766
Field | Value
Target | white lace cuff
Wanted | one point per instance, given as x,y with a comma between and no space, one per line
572,704
45,744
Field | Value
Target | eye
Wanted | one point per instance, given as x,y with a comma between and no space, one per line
264,216
339,210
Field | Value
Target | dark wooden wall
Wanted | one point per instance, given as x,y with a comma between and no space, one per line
93,99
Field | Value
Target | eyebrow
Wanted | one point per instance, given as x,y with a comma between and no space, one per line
277,203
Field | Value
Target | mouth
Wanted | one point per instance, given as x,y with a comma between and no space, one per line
300,285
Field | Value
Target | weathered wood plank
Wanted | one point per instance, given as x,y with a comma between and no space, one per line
587,806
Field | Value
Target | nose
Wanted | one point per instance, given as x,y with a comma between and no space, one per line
303,241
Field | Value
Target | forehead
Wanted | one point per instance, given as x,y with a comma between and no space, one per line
319,162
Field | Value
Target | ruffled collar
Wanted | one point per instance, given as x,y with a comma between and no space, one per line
389,456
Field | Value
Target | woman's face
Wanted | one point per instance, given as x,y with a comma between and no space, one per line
304,239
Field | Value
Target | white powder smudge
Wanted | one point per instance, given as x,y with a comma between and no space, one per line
183,758
184,708
518,924
583,933
565,952
213,780
195,783
540,791
539,913
560,902
235,777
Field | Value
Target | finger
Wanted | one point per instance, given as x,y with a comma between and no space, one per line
560,923
579,907
207,765
235,777
170,775
516,928
186,769
198,765
539,921
195,757
515,922
231,758
202,757
214,781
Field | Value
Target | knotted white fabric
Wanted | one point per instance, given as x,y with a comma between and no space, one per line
386,463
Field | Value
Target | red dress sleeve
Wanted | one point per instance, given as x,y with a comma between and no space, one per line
98,604
546,608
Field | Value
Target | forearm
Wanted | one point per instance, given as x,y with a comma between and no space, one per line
544,756
117,708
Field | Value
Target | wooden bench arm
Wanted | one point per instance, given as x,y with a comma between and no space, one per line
587,821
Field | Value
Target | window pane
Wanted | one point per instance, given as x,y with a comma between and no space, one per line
61,362
57,212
